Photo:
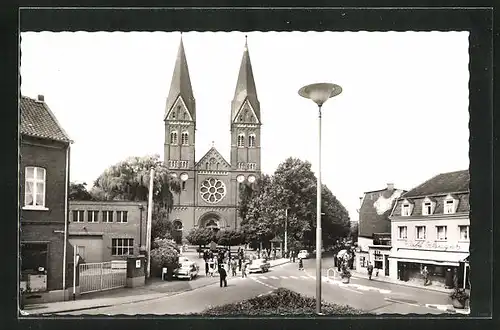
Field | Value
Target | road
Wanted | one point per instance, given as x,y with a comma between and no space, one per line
369,296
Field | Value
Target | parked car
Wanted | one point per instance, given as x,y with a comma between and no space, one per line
187,269
303,254
259,265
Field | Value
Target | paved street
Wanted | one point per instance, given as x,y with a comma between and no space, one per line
370,296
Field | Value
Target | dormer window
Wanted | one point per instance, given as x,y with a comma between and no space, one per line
241,140
428,206
173,137
406,208
450,205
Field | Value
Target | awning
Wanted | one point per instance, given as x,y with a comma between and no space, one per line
430,257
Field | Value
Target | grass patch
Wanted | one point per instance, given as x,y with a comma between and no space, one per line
280,302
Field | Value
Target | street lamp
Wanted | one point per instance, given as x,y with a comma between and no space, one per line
319,93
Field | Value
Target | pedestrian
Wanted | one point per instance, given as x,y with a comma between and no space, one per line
370,270
211,267
425,274
301,264
222,276
234,264
206,267
244,270
293,256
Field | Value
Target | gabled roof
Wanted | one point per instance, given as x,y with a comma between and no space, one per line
181,84
37,120
245,87
443,183
213,153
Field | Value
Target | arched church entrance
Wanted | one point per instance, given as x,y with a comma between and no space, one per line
212,221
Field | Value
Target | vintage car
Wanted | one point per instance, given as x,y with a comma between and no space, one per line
187,269
259,265
303,254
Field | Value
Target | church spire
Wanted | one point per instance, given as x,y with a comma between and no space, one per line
245,87
181,84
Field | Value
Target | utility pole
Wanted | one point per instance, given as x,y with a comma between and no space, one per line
150,215
286,225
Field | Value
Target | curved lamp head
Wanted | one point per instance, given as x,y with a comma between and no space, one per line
320,92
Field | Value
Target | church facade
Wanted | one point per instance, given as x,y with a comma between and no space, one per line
210,185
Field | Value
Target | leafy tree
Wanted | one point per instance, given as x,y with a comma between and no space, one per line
78,192
129,180
354,231
335,221
200,236
229,237
164,253
161,226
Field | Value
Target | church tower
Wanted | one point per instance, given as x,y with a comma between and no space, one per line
180,127
245,122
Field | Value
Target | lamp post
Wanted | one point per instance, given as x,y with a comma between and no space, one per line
319,93
141,208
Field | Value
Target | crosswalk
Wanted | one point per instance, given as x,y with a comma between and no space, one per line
358,288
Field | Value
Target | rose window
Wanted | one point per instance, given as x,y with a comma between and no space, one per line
212,190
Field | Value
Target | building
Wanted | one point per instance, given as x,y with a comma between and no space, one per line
210,185
105,231
44,182
374,229
430,228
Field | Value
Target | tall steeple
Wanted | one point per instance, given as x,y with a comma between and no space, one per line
181,85
245,88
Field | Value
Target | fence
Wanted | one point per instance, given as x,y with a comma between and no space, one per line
102,276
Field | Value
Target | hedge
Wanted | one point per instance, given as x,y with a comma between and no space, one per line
280,302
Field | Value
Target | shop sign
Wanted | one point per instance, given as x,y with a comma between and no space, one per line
429,245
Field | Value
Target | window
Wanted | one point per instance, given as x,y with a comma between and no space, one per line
173,137
252,166
441,233
241,140
78,216
107,216
121,216
122,246
363,262
420,232
406,210
185,138
185,115
93,216
427,209
173,163
80,249
402,232
241,166
34,190
251,140
464,233
449,207
183,185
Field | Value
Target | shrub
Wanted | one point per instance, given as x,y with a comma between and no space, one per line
460,295
164,253
280,302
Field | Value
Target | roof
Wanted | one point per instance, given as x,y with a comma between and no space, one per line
443,183
375,210
213,153
181,84
245,87
37,120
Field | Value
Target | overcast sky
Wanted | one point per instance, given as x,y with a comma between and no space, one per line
402,116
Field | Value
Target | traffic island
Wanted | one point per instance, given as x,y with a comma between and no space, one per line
279,302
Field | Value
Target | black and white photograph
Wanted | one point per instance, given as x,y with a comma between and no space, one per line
244,173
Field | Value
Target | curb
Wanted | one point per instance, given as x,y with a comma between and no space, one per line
449,309
111,305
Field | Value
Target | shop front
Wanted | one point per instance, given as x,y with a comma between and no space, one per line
444,269
379,257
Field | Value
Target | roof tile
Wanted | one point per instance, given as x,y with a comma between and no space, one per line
443,183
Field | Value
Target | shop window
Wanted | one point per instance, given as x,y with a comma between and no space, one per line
33,257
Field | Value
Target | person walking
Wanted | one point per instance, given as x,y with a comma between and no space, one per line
244,270
211,267
293,256
222,276
301,264
234,264
425,274
370,270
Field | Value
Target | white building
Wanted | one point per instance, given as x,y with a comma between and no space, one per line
430,228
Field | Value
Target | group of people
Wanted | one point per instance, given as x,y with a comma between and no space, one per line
222,262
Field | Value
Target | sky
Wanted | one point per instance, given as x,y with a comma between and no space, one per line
401,118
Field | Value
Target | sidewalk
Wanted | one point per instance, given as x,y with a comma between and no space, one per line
398,282
154,290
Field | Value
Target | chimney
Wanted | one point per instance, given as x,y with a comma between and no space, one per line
390,186
41,98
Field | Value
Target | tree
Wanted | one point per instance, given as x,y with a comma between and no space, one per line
164,253
78,192
200,236
129,180
335,222
229,237
161,226
354,231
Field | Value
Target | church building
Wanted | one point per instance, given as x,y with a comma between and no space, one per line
209,194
